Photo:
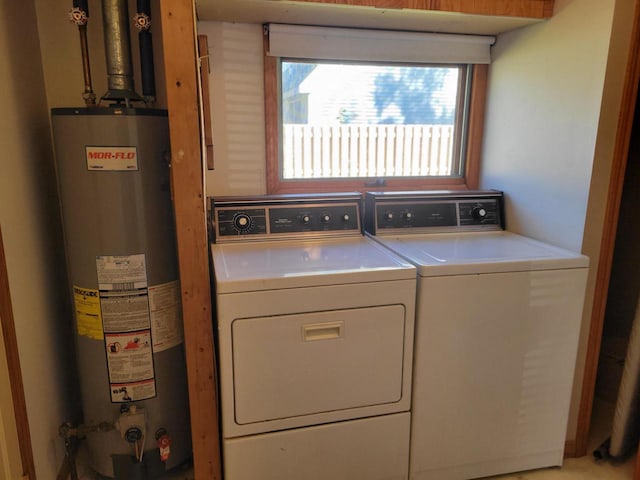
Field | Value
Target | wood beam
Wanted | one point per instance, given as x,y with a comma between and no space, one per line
179,43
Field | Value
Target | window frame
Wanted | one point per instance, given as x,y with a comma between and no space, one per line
471,161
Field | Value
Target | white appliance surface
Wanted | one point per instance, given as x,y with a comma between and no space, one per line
304,356
375,448
497,326
479,252
315,342
265,265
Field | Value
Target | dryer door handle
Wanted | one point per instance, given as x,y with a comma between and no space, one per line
322,331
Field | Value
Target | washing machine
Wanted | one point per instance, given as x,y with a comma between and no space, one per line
315,336
497,324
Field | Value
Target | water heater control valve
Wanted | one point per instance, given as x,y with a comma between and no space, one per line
132,424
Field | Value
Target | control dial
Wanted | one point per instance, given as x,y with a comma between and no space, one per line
305,219
479,213
325,218
388,216
408,216
242,222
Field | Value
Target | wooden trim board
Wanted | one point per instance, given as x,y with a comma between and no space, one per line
179,43
510,8
275,185
475,133
616,182
205,71
15,375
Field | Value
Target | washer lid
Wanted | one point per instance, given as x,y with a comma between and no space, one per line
245,267
480,252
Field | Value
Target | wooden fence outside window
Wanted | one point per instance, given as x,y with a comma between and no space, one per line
347,151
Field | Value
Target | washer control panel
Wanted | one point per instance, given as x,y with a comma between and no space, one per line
416,212
285,216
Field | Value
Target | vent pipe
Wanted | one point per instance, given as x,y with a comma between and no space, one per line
117,44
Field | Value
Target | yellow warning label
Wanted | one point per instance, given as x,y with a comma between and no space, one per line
88,317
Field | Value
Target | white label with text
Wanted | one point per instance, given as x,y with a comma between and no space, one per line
112,158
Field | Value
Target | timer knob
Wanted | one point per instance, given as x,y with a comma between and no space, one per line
345,217
478,213
408,215
306,219
325,218
242,222
388,216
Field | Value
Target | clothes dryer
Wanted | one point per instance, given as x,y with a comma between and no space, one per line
315,337
497,324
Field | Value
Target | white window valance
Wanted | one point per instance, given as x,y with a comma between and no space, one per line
328,43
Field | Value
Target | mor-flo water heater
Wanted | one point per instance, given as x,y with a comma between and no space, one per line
113,175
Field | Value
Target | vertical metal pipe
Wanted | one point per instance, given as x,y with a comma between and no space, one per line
88,95
117,45
142,21
79,15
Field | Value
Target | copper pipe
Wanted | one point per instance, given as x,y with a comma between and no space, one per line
89,96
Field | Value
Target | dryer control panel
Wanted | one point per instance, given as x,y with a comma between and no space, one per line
284,217
435,212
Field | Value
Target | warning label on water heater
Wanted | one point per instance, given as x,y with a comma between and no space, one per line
130,362
111,158
88,314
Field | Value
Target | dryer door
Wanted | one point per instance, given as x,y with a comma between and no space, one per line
293,365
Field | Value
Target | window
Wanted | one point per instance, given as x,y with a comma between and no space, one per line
351,124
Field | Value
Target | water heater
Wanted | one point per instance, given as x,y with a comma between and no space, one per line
113,175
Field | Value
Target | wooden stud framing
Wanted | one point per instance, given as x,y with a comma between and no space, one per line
15,374
179,42
614,197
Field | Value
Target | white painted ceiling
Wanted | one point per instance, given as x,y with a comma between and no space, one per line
305,13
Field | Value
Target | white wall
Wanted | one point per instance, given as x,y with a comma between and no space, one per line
545,90
32,241
554,91
237,108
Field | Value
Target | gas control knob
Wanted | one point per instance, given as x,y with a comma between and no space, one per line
408,216
325,218
242,222
478,213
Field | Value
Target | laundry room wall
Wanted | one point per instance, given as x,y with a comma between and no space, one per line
554,94
237,108
32,238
